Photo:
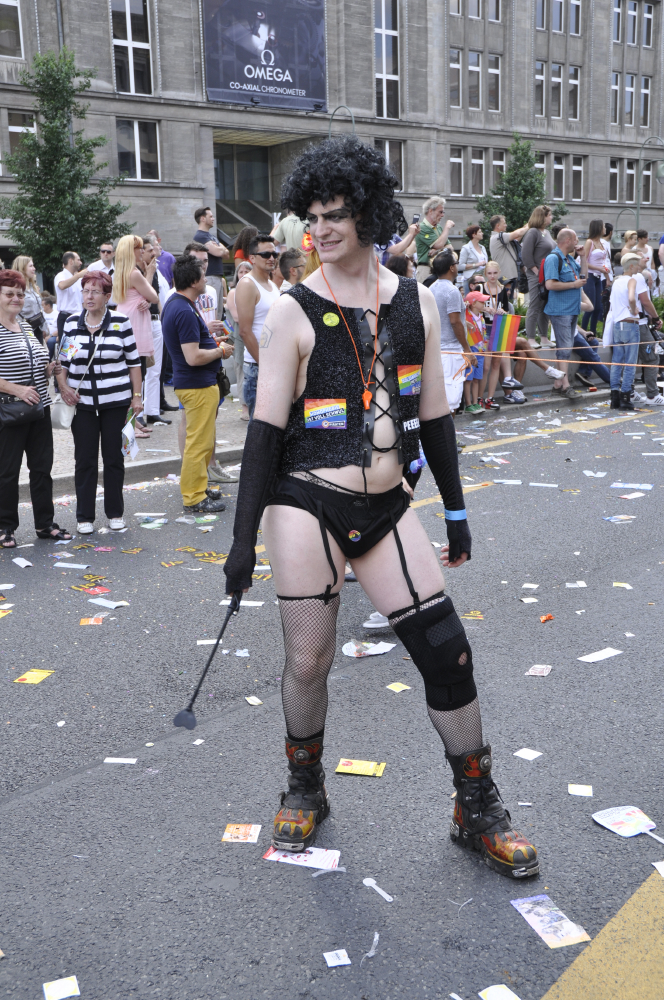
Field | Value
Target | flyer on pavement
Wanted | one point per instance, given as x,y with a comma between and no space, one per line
549,921
313,857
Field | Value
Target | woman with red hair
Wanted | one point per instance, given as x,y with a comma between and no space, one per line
24,373
102,393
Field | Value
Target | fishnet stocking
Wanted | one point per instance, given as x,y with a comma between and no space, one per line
310,628
461,729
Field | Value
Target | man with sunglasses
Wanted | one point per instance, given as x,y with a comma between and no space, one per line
254,295
106,257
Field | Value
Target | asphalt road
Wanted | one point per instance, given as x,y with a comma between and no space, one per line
84,889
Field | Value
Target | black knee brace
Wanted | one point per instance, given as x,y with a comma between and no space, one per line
436,640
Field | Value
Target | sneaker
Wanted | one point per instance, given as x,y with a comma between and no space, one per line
511,383
85,527
532,343
657,400
569,392
514,397
207,506
376,620
473,408
552,372
216,474
491,404
116,523
636,397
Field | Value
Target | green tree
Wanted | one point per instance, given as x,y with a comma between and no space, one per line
517,191
59,206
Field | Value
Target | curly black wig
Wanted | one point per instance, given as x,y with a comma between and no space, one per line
346,166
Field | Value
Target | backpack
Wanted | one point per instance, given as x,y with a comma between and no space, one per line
541,281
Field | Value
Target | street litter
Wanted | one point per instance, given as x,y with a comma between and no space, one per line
497,461
539,670
371,882
397,686
631,486
242,652
60,989
529,586
120,760
620,518
7,586
601,654
626,821
313,857
625,586
20,561
594,475
524,803
334,958
529,600
630,635
372,949
545,618
579,583
630,496
245,604
186,519
499,992
508,482
33,676
203,529
6,607
367,768
355,648
197,743
168,565
580,612
99,620
130,552
549,921
460,905
553,486
61,724
159,451
527,754
108,604
59,565
556,422
241,833
251,699
326,871
653,454
4,613
150,514
61,555
586,790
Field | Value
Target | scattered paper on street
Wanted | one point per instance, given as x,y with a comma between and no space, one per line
499,992
630,496
620,518
251,699
553,486
92,621
527,754
594,475
355,648
579,583
60,989
549,921
586,790
625,586
539,670
529,586
529,600
33,676
631,486
105,603
64,565
367,768
6,586
659,865
601,654
242,652
20,561
120,760
242,833
397,686
334,958
313,857
626,821
508,482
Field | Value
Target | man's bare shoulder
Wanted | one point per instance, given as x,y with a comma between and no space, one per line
286,320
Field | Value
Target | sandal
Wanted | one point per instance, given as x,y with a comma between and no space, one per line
54,534
7,540
141,433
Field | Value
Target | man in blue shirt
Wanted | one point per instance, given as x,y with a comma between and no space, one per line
196,359
564,279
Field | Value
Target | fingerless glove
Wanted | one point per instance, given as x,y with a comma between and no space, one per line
438,439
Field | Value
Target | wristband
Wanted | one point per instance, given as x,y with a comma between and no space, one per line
455,515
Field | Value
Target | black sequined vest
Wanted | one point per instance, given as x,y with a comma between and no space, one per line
328,426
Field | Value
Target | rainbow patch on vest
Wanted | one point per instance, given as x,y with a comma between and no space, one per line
354,535
410,379
325,414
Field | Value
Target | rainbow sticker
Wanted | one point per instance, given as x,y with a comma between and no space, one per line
326,414
410,379
354,535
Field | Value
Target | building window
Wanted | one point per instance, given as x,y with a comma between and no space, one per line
558,178
540,14
498,165
577,178
455,6
475,8
647,25
646,184
474,70
632,14
241,173
556,90
386,38
494,83
629,98
19,122
540,164
615,98
613,180
456,170
455,78
630,180
138,149
645,102
539,89
131,46
617,19
10,30
573,93
477,171
557,15
575,17
392,150
494,10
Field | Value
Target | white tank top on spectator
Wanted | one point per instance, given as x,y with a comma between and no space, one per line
267,297
620,297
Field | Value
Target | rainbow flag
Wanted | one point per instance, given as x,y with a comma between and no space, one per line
474,331
503,332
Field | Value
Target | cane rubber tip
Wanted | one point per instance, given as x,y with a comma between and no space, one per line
185,718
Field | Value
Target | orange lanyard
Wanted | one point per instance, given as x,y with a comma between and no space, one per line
366,395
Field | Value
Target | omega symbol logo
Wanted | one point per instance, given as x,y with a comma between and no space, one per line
270,53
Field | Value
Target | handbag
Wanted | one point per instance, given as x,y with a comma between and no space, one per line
13,409
224,383
62,413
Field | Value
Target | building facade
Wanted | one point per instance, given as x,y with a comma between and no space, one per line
202,105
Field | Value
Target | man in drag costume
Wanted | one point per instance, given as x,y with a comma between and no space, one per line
350,381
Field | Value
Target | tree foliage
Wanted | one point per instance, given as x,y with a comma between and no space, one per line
59,206
517,191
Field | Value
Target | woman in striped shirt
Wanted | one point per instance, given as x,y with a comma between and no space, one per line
102,397
24,373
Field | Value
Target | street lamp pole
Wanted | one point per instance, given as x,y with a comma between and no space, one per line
639,176
343,107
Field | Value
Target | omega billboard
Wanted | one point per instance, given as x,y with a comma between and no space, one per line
269,53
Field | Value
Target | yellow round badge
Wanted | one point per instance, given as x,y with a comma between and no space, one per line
331,319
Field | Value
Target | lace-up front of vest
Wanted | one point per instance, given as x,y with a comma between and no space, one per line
328,426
